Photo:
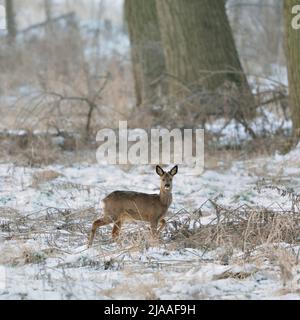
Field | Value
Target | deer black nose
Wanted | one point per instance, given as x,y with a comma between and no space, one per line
167,185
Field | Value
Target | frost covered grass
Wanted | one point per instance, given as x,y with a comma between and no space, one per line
231,234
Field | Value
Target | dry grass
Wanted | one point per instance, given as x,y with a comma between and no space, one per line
58,227
235,237
41,177
234,275
244,228
31,149
28,149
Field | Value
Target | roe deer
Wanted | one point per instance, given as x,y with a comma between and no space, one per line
128,205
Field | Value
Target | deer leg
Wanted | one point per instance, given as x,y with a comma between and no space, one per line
154,229
97,224
116,229
162,224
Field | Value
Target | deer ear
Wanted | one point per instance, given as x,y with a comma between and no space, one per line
159,171
174,171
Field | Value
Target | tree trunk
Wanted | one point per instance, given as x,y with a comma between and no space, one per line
200,52
292,36
10,21
147,53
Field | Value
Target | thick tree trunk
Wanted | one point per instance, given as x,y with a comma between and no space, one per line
10,20
147,53
292,36
200,52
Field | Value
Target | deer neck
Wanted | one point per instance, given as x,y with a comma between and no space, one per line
165,197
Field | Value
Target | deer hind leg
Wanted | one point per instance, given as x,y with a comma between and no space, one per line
97,224
162,225
116,229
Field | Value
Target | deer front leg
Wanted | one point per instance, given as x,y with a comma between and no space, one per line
116,229
154,229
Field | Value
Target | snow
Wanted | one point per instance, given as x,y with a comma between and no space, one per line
49,258
233,133
57,266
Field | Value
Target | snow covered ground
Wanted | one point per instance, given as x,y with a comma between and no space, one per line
233,133
45,216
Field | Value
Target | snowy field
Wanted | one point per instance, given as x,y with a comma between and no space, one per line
46,214
232,232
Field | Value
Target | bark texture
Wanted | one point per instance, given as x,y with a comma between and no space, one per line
199,50
147,53
292,36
